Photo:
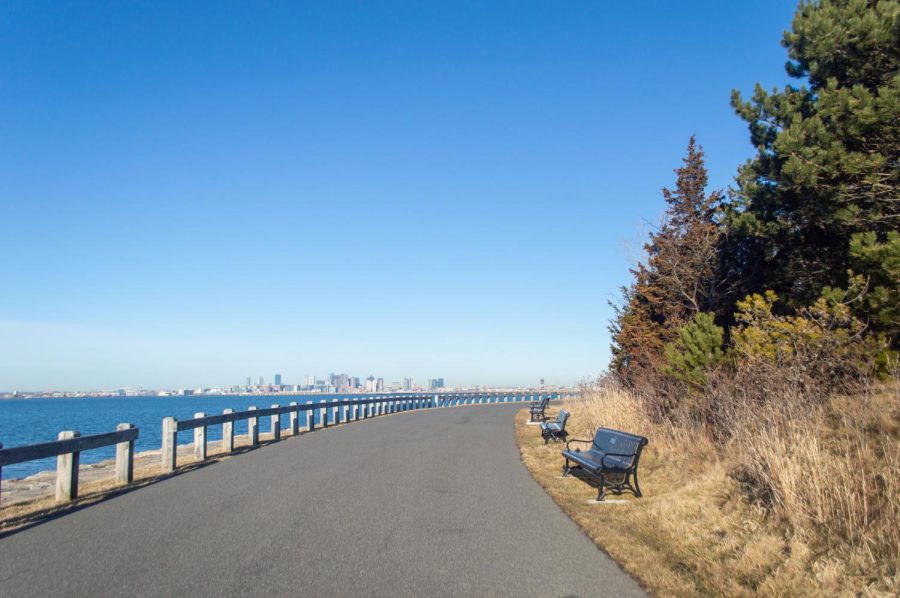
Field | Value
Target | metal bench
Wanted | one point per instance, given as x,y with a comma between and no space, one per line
612,454
538,408
555,430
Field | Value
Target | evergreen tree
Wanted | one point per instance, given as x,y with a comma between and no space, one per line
697,350
678,280
825,176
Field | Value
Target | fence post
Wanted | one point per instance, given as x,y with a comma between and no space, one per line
294,422
228,434
310,418
125,458
323,415
67,471
335,412
200,440
169,443
1,474
253,427
276,424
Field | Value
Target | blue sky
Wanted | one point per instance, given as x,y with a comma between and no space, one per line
194,193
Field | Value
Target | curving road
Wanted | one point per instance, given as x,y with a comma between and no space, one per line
428,503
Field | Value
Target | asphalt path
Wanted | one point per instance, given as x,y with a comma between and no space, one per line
427,503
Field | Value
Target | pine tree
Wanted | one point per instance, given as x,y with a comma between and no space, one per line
697,350
827,167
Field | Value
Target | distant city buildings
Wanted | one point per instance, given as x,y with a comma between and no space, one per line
277,379
347,384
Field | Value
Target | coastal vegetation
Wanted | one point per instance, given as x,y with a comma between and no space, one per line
757,345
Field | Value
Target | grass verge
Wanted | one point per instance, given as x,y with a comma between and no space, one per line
696,530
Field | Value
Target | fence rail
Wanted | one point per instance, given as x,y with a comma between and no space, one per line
67,451
331,412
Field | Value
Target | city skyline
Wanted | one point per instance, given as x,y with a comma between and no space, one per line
332,383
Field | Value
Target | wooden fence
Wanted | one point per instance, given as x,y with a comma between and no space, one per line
67,451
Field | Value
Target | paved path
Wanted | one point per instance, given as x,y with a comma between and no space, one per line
431,503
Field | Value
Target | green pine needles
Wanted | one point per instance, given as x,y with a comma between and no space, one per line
697,350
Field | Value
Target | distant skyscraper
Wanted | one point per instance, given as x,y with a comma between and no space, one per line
436,383
379,385
277,379
310,381
260,382
407,383
248,382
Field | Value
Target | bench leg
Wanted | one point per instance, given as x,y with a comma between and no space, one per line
637,487
566,469
601,490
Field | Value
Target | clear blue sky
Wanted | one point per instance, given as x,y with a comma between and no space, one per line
193,193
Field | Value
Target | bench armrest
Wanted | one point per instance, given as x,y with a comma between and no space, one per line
577,440
605,455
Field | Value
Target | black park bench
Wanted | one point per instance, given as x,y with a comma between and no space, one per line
555,430
612,454
537,409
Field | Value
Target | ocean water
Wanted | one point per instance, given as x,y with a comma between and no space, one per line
29,421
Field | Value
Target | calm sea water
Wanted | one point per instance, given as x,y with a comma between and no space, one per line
29,421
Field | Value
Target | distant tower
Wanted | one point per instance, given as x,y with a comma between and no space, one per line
277,379
248,382
260,382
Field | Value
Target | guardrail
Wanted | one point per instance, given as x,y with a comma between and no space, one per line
330,413
340,410
67,451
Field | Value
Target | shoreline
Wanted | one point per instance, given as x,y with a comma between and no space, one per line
100,475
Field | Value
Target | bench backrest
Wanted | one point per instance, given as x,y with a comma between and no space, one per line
561,418
545,401
614,441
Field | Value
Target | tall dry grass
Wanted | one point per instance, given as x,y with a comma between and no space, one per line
829,472
796,498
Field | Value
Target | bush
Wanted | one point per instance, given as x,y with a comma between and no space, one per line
697,350
821,347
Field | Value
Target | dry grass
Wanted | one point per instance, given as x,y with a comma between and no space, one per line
828,525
